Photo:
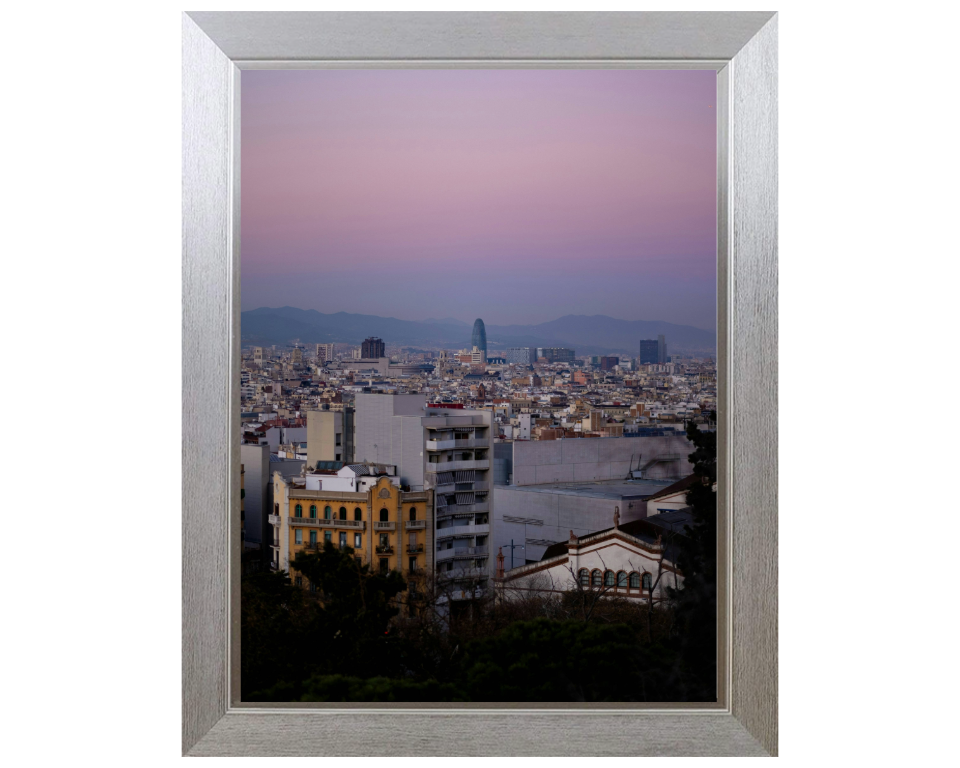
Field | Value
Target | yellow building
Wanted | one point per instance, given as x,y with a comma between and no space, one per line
360,506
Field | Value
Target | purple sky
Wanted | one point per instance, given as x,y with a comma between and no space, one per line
549,192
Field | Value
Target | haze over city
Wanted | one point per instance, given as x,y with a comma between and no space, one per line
547,192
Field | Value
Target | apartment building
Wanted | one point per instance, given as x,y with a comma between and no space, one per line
360,506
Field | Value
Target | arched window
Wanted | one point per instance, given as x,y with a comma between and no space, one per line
634,580
584,577
313,511
597,579
357,514
621,579
276,510
608,578
298,511
647,581
384,516
326,513
343,513
413,514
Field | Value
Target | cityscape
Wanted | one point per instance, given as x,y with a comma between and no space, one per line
491,478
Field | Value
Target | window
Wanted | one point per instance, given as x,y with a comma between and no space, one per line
412,564
298,536
276,510
384,540
634,580
584,577
608,579
357,541
326,513
357,514
327,537
622,579
343,513
338,439
313,537
298,581
647,581
298,511
313,511
343,539
384,516
413,514
597,579
384,565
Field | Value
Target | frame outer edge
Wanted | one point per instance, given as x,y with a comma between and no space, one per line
206,331
210,283
753,356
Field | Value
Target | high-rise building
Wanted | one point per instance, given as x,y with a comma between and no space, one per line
324,353
296,356
609,363
661,349
556,354
649,351
522,355
479,337
448,451
372,348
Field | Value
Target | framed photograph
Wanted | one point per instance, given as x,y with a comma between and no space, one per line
479,384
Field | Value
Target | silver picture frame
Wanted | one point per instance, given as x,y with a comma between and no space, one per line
742,48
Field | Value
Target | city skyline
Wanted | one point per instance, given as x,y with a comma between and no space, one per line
552,192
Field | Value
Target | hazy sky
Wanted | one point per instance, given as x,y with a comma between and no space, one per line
518,196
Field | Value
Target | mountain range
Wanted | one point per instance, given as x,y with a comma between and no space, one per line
587,334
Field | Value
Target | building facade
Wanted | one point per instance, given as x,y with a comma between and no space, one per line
556,354
649,352
522,355
478,338
372,348
358,506
324,353
330,436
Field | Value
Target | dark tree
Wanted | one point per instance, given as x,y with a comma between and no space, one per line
696,602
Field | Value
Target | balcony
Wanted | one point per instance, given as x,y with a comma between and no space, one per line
387,550
455,510
274,519
415,525
463,530
316,522
451,445
414,549
462,553
453,466
380,526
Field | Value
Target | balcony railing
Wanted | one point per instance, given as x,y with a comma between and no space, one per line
452,466
463,530
316,522
413,549
462,509
415,525
463,552
274,519
387,550
448,445
384,526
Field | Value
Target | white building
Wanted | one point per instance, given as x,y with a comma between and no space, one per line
624,561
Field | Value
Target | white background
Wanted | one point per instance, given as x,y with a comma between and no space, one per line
91,246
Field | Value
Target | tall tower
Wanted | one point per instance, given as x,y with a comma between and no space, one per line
479,338
661,349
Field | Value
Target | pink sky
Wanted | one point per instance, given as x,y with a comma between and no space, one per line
549,188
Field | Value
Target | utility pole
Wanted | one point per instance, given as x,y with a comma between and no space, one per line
512,547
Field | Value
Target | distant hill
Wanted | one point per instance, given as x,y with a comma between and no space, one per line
587,334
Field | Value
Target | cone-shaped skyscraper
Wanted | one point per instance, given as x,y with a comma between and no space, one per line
480,336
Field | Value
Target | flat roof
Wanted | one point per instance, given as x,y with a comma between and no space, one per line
605,489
